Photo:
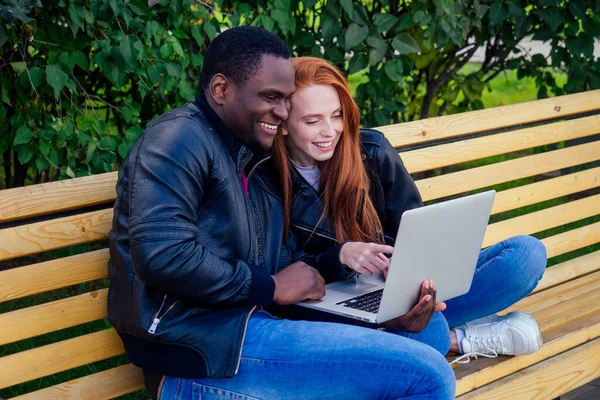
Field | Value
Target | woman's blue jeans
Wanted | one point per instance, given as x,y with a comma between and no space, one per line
285,359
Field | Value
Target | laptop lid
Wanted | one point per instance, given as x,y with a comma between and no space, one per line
441,242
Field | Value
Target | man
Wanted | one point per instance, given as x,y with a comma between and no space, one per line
196,246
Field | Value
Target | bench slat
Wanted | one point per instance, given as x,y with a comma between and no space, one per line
574,239
456,125
568,270
548,379
57,357
542,220
54,234
55,274
473,149
553,296
548,189
29,201
99,386
489,175
52,316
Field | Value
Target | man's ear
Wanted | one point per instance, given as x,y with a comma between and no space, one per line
219,88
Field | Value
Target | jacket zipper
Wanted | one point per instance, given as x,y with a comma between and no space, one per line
314,232
256,166
157,319
243,338
251,211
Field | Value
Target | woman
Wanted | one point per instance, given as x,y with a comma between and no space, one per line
344,192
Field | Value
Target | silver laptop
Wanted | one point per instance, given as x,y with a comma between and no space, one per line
439,242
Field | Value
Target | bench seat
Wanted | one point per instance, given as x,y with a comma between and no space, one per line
541,156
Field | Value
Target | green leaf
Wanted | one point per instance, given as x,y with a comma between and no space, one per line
41,164
24,135
90,151
347,6
552,16
44,146
577,8
197,60
268,23
123,149
38,76
19,67
186,90
405,44
174,69
108,143
70,172
379,49
355,35
128,52
330,26
25,154
357,63
498,13
480,10
210,30
421,18
77,15
133,133
406,22
140,8
384,22
56,78
393,70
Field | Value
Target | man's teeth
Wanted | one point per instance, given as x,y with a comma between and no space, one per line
268,126
323,144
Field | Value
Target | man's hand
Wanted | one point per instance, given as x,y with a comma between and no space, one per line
365,258
417,319
299,281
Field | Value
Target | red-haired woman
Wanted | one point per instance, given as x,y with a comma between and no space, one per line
344,191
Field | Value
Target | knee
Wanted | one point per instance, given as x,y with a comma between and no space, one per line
441,378
436,334
528,259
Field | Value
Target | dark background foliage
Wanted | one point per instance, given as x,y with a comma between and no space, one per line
81,79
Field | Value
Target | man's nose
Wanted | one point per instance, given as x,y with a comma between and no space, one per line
281,110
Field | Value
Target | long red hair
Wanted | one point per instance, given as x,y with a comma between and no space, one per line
344,181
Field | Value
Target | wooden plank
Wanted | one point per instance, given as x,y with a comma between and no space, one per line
29,201
548,379
555,295
569,270
43,277
474,149
57,357
53,316
99,386
54,234
557,338
426,130
537,192
572,240
539,221
488,175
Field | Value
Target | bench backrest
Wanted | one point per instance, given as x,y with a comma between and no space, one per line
537,155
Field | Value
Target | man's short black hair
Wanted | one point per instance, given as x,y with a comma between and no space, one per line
237,53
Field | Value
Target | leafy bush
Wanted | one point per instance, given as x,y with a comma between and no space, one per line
79,80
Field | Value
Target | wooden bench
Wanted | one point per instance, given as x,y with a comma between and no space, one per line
541,173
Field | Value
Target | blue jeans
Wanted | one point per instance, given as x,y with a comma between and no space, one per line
284,359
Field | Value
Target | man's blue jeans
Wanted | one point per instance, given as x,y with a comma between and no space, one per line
284,359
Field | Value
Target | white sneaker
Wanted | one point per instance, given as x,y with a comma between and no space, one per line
516,333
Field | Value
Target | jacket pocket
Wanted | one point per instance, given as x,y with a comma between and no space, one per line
166,306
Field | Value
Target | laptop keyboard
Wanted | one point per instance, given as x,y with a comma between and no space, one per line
368,302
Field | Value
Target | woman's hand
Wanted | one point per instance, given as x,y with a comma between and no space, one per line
365,258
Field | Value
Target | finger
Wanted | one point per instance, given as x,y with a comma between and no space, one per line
385,272
420,308
382,248
378,264
384,259
441,306
364,271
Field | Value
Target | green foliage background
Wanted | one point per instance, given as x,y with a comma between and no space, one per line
81,79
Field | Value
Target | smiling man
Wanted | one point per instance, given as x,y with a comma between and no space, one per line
196,242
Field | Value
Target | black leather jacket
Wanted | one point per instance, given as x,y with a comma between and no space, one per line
392,191
190,254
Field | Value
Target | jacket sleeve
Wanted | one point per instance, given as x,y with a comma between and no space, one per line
399,191
168,172
327,262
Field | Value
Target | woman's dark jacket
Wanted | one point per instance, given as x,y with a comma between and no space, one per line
392,191
190,254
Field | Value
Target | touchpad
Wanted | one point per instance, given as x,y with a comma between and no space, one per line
352,287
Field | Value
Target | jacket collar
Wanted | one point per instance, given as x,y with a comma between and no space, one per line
238,151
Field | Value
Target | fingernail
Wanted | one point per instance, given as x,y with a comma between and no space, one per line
426,284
